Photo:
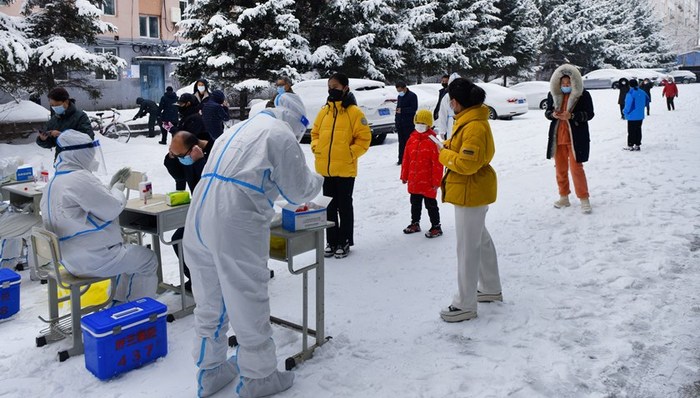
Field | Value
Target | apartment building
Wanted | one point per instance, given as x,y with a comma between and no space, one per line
145,31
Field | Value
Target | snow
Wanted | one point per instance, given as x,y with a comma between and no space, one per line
23,112
597,305
252,85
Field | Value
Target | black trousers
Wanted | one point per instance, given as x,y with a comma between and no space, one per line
340,210
178,236
152,119
669,103
404,132
634,132
417,208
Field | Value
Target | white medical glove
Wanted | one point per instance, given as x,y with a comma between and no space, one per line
120,176
437,142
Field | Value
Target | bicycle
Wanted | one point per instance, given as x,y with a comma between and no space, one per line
115,129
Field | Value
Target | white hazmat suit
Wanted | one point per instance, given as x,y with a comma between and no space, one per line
446,116
226,245
84,214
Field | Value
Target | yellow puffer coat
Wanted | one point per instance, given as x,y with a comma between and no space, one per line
339,136
469,180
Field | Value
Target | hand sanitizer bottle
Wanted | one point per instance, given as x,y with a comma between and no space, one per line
145,189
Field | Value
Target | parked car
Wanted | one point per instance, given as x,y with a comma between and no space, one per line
604,78
683,76
536,92
641,74
503,102
377,101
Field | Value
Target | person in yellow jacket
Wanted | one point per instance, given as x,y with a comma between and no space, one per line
469,184
339,137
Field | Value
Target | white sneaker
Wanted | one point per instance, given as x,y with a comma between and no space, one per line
453,314
586,206
562,202
488,298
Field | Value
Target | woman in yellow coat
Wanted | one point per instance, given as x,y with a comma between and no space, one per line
339,137
469,184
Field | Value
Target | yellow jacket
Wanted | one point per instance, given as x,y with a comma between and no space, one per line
339,136
469,180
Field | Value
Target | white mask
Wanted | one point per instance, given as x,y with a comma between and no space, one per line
201,88
421,128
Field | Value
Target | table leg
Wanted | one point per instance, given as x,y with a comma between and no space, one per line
155,246
320,294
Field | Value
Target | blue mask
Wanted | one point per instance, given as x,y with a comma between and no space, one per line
566,90
59,110
280,90
186,160
401,93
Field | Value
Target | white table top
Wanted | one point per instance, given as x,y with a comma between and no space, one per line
153,206
28,189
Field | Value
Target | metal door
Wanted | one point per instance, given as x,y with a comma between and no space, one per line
152,81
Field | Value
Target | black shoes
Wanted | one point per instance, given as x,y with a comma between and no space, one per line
329,251
342,251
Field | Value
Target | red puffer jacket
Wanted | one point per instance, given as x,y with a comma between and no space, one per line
421,165
670,90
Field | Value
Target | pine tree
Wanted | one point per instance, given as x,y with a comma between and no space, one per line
484,39
58,32
14,53
423,39
231,41
358,37
524,36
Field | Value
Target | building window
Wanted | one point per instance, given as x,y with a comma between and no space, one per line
109,7
183,7
105,75
149,26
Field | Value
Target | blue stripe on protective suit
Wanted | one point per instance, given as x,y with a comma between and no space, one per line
211,180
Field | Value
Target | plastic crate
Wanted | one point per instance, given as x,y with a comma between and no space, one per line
9,292
124,337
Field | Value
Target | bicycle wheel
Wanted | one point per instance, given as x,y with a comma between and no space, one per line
95,124
118,131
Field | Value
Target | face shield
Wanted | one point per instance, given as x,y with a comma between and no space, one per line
289,108
78,150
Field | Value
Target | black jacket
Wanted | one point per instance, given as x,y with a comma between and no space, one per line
581,138
408,103
624,89
147,106
647,88
189,175
73,118
213,116
436,112
167,108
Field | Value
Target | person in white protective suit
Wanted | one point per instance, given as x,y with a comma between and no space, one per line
84,214
446,115
226,245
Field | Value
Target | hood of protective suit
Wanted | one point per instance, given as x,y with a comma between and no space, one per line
80,158
289,108
453,76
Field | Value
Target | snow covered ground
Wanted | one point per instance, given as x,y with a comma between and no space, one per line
599,305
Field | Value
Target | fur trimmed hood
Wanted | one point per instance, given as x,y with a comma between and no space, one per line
576,86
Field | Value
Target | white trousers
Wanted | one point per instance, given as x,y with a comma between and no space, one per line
229,282
477,264
135,268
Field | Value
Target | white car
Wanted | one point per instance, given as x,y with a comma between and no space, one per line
377,101
503,102
536,92
641,74
683,76
604,78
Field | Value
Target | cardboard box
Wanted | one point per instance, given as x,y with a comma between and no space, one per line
293,220
9,292
25,172
124,337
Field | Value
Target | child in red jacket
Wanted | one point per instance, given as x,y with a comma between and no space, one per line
670,92
422,171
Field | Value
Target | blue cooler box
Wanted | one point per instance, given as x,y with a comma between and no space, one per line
9,293
124,337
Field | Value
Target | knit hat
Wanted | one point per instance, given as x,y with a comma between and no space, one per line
423,116
218,96
634,83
